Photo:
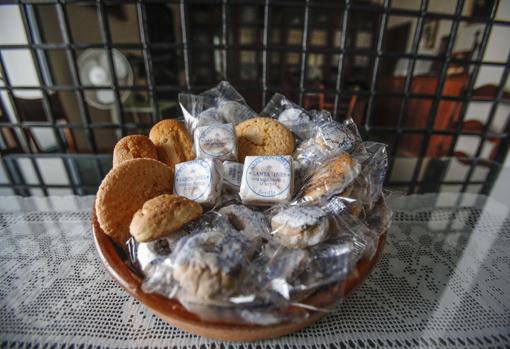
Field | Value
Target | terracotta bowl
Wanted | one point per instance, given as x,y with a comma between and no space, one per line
116,262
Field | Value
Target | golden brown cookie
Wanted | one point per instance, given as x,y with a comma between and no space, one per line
162,216
331,177
263,136
134,147
125,189
172,141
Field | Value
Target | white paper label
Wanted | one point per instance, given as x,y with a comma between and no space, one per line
216,140
193,179
269,176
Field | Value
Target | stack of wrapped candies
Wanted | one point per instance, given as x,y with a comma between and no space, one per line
240,215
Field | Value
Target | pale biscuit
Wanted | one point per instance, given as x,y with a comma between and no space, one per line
134,147
263,136
125,189
163,215
172,141
331,178
300,226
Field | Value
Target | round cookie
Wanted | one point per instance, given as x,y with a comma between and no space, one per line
125,189
331,177
263,136
163,215
300,226
172,141
251,223
133,147
207,264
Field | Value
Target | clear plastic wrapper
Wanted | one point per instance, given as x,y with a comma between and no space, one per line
216,142
267,180
199,180
294,117
228,266
374,165
221,104
329,178
260,253
300,226
330,139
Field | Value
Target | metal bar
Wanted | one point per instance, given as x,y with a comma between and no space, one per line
105,35
185,49
147,59
490,118
265,43
333,5
256,47
224,38
473,77
56,156
46,186
73,66
340,69
13,176
37,66
45,98
437,99
408,80
254,87
65,30
304,45
375,70
12,99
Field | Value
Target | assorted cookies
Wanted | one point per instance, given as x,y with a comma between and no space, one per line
134,147
172,141
223,208
125,189
163,215
263,136
331,177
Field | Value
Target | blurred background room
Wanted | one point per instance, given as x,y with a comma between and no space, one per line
427,77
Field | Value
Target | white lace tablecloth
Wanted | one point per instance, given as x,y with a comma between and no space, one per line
443,281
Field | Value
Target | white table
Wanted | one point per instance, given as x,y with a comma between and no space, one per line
443,281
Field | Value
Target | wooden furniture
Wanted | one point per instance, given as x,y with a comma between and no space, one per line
417,112
477,127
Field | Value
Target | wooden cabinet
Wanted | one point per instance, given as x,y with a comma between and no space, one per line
417,111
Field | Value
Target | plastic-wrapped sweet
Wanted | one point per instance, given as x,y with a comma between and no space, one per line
374,167
148,253
234,112
208,117
331,138
330,178
216,142
328,262
336,136
232,174
218,105
283,269
199,180
294,117
244,264
300,226
251,223
267,180
208,264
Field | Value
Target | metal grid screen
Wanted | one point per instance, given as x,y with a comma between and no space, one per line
255,68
